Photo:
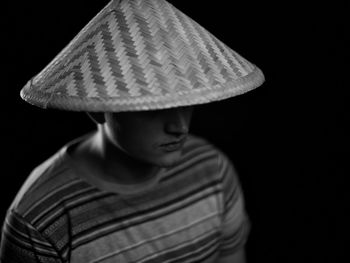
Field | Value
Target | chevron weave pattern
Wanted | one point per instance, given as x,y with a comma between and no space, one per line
141,55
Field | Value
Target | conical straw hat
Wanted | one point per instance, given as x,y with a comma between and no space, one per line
141,55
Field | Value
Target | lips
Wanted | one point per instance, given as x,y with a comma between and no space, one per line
174,145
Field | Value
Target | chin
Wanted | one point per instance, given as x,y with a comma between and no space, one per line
168,161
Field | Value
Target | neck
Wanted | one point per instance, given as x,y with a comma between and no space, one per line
116,165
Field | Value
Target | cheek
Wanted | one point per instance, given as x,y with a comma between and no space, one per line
138,142
137,136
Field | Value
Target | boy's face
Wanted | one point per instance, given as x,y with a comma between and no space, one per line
155,137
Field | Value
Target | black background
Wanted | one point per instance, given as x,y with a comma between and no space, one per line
288,139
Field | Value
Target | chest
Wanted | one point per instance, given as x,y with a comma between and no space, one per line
186,231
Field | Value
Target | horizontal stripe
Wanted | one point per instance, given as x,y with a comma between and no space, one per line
137,219
182,199
68,205
15,226
189,250
15,241
51,197
25,241
190,161
133,249
195,208
234,239
56,210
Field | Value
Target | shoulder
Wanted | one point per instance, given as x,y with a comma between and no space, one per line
209,160
198,144
202,156
200,148
38,191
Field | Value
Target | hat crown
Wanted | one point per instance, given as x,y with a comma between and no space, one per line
140,55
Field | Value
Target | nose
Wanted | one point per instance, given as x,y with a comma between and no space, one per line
178,121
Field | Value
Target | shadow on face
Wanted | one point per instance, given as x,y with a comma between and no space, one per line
155,136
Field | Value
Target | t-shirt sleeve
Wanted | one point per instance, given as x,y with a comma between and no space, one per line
22,243
235,221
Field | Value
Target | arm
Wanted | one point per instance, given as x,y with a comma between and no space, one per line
235,221
22,243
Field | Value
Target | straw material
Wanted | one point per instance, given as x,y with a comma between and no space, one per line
141,55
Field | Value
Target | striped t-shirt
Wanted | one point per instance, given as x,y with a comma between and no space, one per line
194,212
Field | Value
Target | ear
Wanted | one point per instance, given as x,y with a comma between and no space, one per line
97,117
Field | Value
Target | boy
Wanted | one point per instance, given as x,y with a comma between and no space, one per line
140,188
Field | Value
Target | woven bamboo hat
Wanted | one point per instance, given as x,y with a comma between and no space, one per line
141,55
